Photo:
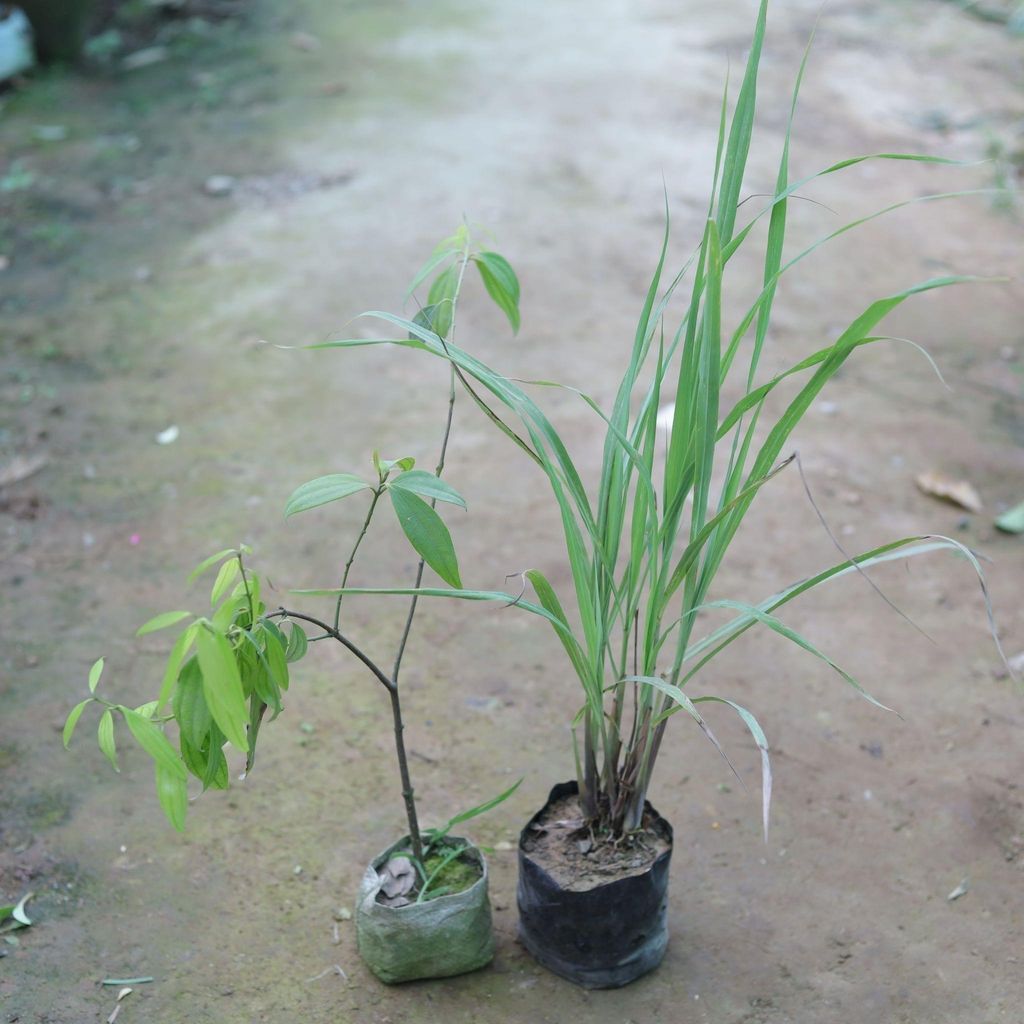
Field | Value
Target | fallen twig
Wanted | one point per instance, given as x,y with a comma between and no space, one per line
334,969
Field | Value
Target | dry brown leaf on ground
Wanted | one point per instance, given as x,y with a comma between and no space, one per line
21,467
959,492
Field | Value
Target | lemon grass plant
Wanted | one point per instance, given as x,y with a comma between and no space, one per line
646,543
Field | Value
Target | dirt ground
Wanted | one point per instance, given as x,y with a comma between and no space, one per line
360,133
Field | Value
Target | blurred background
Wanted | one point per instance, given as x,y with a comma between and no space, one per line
186,184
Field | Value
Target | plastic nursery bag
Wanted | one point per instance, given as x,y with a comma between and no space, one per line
437,938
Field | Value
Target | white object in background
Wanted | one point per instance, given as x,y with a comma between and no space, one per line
16,52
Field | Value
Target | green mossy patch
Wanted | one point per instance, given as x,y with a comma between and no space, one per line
456,876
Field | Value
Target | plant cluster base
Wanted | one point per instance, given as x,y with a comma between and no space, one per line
601,934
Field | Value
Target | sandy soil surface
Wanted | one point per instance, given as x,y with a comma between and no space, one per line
134,301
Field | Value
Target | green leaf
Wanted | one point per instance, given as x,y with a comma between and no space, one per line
147,710
94,675
445,250
224,617
174,661
475,811
322,490
501,283
222,686
441,301
216,773
207,763
227,575
151,738
208,563
72,721
105,738
1013,520
172,791
549,601
761,740
384,466
161,622
298,643
777,626
16,911
427,485
257,709
195,759
277,661
680,699
190,710
427,533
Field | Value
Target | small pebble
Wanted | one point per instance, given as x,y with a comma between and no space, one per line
219,185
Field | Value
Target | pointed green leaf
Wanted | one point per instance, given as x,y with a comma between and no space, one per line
441,301
189,706
18,911
105,737
172,791
426,485
151,738
222,686
224,617
427,533
437,257
227,575
194,758
549,601
94,675
161,621
682,701
298,643
384,466
174,661
208,563
777,626
72,721
322,490
478,810
761,740
501,283
277,662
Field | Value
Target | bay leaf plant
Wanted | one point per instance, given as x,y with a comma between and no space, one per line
645,541
230,666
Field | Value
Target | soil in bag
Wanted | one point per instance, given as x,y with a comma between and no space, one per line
590,909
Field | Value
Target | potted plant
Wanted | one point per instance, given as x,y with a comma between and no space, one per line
682,465
422,909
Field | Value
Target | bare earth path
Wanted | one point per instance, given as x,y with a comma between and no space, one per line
133,301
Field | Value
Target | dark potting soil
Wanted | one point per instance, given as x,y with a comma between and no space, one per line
578,858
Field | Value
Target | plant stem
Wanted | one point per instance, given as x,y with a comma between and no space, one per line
438,471
396,703
352,557
403,770
396,714
387,683
248,592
